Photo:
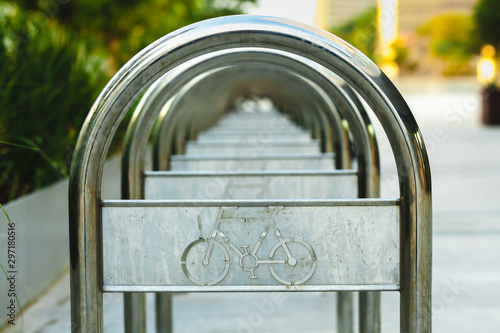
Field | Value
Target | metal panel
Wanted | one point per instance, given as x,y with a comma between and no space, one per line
338,184
257,122
250,130
252,148
249,126
247,140
265,135
277,162
250,246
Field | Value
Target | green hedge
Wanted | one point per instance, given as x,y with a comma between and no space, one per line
48,82
49,78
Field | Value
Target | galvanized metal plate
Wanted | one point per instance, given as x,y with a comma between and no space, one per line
276,162
338,184
239,118
308,245
263,141
255,123
250,130
263,135
252,149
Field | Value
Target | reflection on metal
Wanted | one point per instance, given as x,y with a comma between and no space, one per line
250,245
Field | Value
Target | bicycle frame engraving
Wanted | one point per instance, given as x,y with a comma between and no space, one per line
249,261
199,246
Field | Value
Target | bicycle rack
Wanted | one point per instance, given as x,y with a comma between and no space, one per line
182,178
272,80
410,216
370,319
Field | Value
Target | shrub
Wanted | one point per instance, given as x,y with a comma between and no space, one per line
487,18
450,38
360,32
48,82
49,78
124,27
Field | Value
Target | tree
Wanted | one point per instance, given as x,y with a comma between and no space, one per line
487,20
48,82
450,36
124,27
361,32
52,67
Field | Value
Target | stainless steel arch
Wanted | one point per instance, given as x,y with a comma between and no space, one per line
360,125
302,99
230,32
136,139
135,146
343,96
365,141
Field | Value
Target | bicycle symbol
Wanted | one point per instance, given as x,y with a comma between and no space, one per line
199,255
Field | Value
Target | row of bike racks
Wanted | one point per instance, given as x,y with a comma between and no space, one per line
232,196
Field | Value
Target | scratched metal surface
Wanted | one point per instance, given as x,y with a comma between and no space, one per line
338,184
249,139
256,149
155,246
275,162
253,134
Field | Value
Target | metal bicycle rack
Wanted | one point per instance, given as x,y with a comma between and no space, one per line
395,234
341,180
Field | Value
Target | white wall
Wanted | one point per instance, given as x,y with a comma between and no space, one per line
42,238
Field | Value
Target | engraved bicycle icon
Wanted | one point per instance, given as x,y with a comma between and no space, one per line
199,255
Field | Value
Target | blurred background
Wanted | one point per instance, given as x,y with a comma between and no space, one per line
57,55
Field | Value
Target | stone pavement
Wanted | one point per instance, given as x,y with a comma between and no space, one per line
465,165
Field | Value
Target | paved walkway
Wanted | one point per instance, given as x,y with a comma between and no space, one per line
465,162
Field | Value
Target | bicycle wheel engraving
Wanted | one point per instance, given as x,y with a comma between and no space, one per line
205,274
298,269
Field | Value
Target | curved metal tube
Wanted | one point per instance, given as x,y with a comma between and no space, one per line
165,134
299,98
133,152
230,32
146,109
364,138
345,99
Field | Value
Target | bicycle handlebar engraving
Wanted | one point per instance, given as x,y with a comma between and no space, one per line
248,261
